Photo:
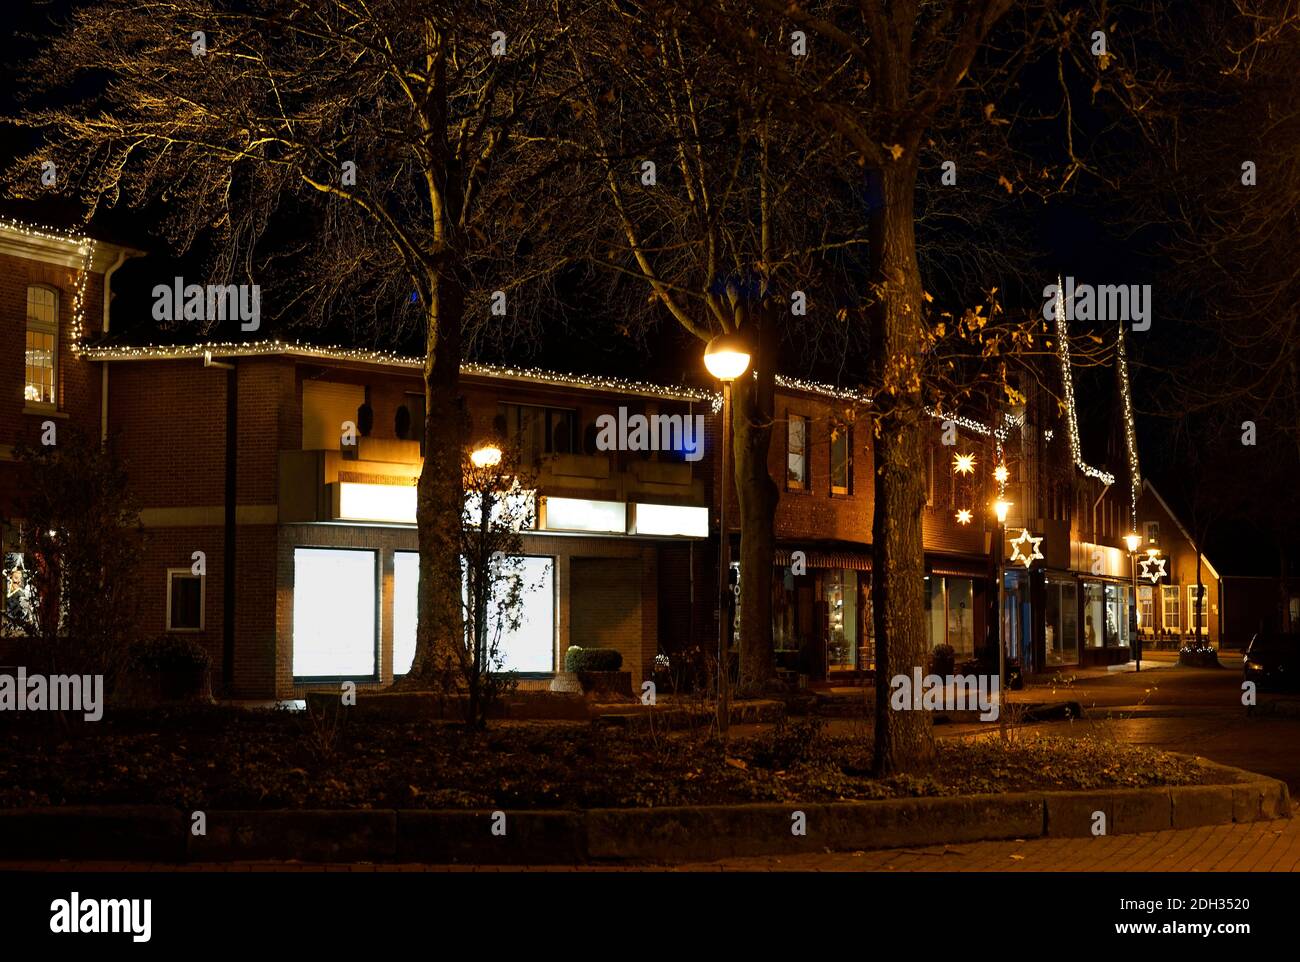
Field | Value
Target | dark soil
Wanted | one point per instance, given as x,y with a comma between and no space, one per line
231,758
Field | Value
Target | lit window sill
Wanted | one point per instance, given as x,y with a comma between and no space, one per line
43,411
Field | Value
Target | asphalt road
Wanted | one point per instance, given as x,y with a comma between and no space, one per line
1192,710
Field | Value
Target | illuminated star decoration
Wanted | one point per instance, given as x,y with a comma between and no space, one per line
963,463
1000,474
963,516
1152,576
1025,548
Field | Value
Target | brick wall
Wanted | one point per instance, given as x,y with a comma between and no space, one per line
77,383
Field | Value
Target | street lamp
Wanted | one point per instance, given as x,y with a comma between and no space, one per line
485,456
727,358
1000,508
1134,541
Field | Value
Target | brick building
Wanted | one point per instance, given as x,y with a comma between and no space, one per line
290,554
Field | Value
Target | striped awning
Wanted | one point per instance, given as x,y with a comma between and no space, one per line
851,560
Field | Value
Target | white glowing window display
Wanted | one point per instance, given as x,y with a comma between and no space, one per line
530,647
580,514
672,519
334,598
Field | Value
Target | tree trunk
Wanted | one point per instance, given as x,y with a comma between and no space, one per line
752,409
904,740
440,496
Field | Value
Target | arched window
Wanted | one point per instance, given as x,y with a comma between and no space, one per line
42,345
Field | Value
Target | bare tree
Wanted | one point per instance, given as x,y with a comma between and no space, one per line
360,154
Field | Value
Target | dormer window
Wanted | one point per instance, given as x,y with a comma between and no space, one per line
42,346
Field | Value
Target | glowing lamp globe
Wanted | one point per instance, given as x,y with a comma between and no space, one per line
1134,541
1000,508
727,357
486,456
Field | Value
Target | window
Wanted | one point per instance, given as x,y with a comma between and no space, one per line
186,593
1169,612
540,431
1151,533
335,613
42,345
19,597
841,589
796,471
950,614
406,604
529,647
841,458
1146,615
1198,618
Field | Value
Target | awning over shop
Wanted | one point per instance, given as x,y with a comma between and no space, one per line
825,559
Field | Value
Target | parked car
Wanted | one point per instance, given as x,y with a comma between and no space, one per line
1272,662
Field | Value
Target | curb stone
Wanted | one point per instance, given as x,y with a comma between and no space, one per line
687,833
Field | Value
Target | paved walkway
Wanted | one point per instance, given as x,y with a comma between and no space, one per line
1255,847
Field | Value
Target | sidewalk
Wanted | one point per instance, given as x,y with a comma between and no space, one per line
1252,847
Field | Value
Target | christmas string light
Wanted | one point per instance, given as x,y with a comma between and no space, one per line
85,246
340,353
1067,380
1130,436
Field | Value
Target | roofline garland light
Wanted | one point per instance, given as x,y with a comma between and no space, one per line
1130,435
1067,380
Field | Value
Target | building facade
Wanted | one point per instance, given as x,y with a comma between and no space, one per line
277,485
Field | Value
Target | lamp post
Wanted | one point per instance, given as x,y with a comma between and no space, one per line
1000,508
727,358
1134,541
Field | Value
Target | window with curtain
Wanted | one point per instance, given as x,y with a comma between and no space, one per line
796,473
841,458
42,345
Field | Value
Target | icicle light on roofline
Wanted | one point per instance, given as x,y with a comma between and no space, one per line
1130,435
1067,381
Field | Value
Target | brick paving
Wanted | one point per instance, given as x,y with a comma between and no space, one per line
1251,847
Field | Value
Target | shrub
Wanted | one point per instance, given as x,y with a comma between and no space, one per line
592,659
170,653
1198,656
788,745
943,660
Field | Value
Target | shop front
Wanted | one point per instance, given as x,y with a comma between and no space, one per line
821,617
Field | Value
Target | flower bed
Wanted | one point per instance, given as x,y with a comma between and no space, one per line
228,758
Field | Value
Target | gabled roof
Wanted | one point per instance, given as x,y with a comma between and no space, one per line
1148,486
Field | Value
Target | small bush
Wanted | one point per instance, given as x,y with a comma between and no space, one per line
788,745
592,659
170,653
1198,656
943,660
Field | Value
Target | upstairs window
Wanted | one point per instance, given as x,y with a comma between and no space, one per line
1152,533
42,345
841,458
540,431
796,449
